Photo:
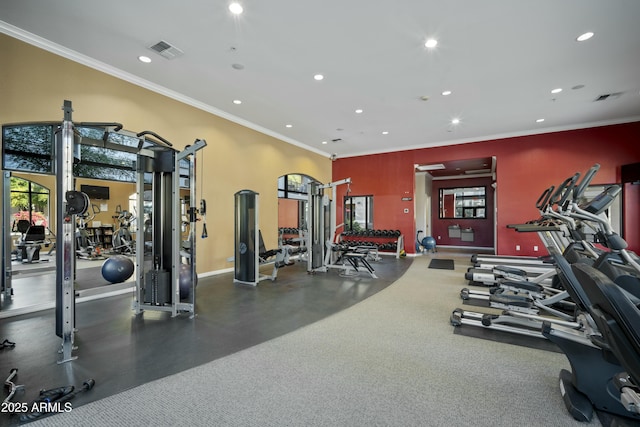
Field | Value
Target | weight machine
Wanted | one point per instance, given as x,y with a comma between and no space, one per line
325,252
250,251
160,171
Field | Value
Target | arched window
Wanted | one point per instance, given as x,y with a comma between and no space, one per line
29,201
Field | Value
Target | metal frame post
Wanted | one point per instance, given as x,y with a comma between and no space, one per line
65,251
140,236
7,290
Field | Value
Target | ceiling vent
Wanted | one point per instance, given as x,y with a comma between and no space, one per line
609,96
166,50
336,140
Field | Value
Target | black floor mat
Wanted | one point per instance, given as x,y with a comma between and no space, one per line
442,264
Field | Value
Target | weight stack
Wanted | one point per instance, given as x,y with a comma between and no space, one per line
157,287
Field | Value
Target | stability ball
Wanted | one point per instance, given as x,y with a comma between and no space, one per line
117,269
185,281
429,243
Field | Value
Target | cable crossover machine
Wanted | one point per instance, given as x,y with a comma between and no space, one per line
158,169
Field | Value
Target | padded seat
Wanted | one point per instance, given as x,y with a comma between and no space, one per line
31,243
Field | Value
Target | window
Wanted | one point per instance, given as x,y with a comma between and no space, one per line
106,164
358,213
293,186
28,148
463,202
29,201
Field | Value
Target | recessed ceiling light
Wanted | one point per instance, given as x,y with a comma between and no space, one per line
318,77
446,92
557,90
324,142
289,126
385,132
585,36
237,101
431,43
455,121
235,8
539,120
144,59
358,111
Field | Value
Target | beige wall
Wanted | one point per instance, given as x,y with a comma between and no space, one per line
34,83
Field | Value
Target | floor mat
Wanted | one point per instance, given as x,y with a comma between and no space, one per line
442,264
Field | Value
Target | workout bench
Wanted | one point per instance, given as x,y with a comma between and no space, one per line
31,243
356,258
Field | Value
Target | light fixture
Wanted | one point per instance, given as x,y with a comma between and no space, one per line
318,77
446,93
557,90
585,36
237,101
433,167
236,8
358,111
324,142
385,132
144,59
288,126
431,43
455,121
539,120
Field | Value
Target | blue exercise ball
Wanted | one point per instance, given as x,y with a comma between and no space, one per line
185,281
117,269
429,243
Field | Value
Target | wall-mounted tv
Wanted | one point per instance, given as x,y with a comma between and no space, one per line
95,191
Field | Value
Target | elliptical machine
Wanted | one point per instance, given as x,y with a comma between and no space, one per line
123,242
86,247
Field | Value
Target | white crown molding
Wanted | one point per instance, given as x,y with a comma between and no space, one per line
72,55
507,135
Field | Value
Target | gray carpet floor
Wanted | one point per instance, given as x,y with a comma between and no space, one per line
391,360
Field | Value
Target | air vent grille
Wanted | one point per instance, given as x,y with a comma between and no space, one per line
609,96
166,50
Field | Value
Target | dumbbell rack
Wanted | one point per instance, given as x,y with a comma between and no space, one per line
383,240
290,236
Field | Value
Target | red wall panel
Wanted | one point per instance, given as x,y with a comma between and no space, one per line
525,167
482,228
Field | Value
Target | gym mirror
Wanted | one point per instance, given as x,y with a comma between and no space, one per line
463,202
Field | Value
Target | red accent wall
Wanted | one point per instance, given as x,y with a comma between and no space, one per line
526,165
287,213
631,227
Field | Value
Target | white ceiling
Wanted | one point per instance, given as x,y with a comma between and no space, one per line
500,59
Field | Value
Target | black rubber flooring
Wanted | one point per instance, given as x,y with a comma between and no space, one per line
121,350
